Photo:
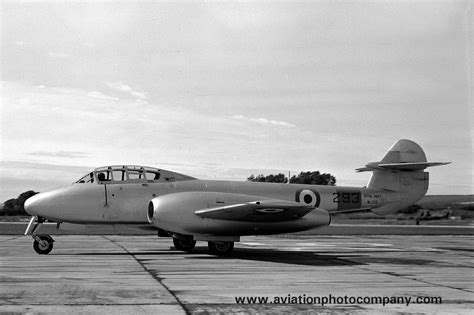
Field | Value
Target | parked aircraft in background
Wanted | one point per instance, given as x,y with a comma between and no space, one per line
426,215
220,212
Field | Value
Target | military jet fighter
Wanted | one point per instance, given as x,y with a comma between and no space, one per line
220,212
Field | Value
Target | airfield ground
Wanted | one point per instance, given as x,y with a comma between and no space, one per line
143,274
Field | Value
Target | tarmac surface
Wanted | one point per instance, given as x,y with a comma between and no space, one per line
143,274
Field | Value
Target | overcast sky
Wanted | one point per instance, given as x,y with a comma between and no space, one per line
224,90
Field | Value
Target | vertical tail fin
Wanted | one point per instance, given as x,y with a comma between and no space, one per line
401,174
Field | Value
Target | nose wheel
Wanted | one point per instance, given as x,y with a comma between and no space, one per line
43,243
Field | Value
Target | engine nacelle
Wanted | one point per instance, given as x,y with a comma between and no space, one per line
175,213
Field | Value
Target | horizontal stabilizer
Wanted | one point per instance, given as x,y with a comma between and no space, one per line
411,166
416,166
271,210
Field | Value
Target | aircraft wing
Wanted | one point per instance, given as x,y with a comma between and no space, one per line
349,211
270,210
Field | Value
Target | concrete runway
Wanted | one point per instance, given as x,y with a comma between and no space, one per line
142,274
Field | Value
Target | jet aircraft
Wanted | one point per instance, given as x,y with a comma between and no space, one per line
220,212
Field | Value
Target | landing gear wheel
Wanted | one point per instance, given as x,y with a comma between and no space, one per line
220,248
44,246
186,245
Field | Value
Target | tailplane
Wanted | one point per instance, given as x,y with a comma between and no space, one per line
400,175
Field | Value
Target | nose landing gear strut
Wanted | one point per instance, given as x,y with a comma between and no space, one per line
43,243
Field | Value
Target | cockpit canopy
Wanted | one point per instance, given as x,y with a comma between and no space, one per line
131,174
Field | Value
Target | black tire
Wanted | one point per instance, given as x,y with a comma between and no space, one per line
46,248
186,245
163,233
221,248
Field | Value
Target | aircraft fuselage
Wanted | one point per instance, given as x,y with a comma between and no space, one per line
127,202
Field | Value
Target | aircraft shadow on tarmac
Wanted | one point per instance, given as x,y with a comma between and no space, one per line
300,257
309,258
313,258
306,258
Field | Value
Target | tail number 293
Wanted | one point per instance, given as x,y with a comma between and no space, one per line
346,197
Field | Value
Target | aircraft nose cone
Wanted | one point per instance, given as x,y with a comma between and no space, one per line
47,204
30,205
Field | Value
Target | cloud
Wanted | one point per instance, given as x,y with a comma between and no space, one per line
264,121
126,89
102,96
67,154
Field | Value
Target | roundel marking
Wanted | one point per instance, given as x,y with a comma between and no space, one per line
308,197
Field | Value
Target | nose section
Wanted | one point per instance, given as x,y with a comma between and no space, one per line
31,204
46,205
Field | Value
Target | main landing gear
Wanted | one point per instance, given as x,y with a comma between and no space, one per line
187,244
43,243
220,248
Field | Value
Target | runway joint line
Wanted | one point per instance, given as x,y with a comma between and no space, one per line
153,275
